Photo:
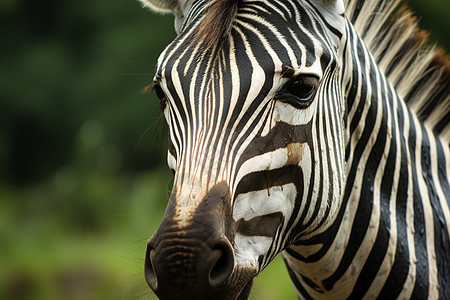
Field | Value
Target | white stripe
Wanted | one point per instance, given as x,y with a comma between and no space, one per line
429,226
410,281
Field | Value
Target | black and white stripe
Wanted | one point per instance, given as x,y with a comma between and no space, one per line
353,189
391,236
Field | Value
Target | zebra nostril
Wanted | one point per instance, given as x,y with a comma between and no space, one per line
222,265
150,275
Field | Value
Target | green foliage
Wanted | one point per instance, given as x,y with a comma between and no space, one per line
80,193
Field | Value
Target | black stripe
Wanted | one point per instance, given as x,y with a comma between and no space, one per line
264,180
379,248
420,239
266,225
297,284
441,234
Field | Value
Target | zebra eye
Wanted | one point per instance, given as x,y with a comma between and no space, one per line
299,91
159,93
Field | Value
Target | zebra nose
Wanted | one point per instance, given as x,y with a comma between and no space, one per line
193,259
149,271
191,270
221,264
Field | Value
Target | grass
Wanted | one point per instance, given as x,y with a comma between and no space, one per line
82,235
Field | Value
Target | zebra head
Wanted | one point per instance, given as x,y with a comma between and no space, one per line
251,94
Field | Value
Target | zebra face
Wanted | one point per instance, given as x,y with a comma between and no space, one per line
248,119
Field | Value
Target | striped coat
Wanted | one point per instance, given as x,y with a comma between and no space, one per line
316,129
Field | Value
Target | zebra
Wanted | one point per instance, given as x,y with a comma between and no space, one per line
318,129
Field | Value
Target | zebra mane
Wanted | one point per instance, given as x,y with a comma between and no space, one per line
217,21
419,72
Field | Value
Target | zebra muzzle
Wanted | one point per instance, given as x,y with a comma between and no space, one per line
186,272
195,261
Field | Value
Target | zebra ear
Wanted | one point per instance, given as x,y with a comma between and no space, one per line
333,11
176,7
172,6
336,5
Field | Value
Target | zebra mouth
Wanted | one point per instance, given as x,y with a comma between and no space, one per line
245,293
242,281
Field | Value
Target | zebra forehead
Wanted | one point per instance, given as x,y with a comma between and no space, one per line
217,21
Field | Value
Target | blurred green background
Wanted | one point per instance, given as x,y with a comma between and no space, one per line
83,180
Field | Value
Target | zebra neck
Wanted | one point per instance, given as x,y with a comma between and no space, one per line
395,198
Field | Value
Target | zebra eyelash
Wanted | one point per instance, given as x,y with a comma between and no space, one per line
154,86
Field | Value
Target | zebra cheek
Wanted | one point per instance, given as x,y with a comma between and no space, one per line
294,116
256,235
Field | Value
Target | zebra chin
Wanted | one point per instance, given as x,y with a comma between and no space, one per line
196,260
